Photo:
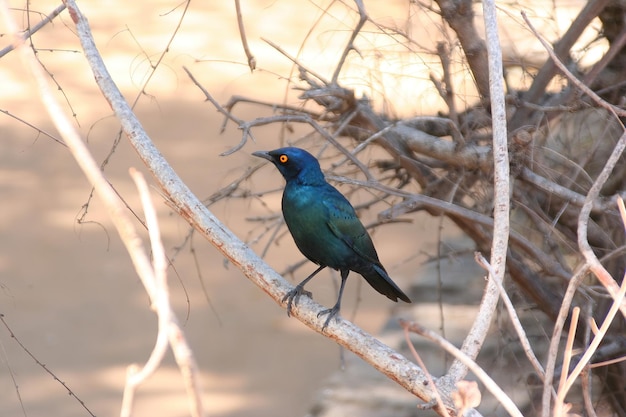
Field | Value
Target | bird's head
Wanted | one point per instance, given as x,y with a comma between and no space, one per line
294,164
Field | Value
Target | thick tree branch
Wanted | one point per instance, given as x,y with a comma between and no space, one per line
460,16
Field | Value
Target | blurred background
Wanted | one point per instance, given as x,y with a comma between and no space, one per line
67,288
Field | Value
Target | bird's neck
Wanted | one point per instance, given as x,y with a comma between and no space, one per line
307,177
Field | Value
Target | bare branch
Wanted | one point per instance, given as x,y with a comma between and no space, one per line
31,31
561,50
501,206
613,109
355,32
244,40
160,300
460,16
489,383
519,329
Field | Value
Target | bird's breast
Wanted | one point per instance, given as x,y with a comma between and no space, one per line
303,211
307,219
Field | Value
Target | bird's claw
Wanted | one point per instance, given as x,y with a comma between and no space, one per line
293,296
332,312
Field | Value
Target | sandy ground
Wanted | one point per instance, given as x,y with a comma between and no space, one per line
68,290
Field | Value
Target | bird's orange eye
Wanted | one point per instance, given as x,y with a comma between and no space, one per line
283,159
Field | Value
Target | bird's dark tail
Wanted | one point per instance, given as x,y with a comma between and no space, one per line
378,278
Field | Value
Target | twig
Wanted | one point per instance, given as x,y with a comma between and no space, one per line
538,88
38,362
468,157
460,16
32,126
564,193
616,46
295,61
489,383
244,40
586,386
414,202
559,406
159,298
574,282
528,349
447,90
597,339
592,260
553,349
596,98
350,46
30,32
418,359
209,97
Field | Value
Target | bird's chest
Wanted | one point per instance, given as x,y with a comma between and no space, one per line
303,210
307,218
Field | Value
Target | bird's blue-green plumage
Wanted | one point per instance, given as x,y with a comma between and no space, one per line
325,226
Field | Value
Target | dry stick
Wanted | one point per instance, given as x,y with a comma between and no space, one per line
421,363
295,60
613,109
165,51
594,264
160,300
476,336
81,154
567,357
489,383
460,17
227,114
553,350
32,126
244,40
528,350
448,93
616,47
43,366
362,19
593,346
586,386
292,118
383,358
599,205
538,88
35,28
414,202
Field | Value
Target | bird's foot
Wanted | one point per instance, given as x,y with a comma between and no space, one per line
331,312
293,296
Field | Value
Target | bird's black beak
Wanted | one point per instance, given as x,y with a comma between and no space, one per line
264,155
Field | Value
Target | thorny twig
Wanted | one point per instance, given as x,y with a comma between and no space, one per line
31,31
244,40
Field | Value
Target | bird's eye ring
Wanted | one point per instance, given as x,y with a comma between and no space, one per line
283,159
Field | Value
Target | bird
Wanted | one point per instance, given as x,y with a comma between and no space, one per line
325,228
